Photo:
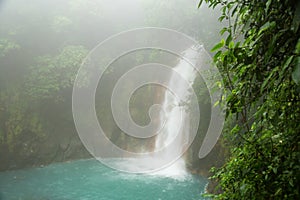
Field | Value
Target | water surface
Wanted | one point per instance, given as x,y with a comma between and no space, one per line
90,180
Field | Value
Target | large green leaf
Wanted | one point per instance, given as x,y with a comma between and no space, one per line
296,72
218,46
266,26
200,3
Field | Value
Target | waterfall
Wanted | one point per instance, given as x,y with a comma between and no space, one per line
175,115
174,118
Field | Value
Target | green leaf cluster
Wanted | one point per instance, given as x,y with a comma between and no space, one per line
54,74
7,46
259,61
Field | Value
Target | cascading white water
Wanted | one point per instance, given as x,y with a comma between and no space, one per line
173,138
175,115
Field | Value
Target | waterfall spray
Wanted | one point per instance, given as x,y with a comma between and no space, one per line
175,113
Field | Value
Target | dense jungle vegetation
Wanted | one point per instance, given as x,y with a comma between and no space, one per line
259,59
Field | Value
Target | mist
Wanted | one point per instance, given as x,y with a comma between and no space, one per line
43,47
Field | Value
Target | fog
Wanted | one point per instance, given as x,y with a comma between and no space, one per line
43,44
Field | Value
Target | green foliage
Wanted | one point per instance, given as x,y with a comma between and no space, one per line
17,120
53,74
296,73
6,46
60,23
259,61
24,119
